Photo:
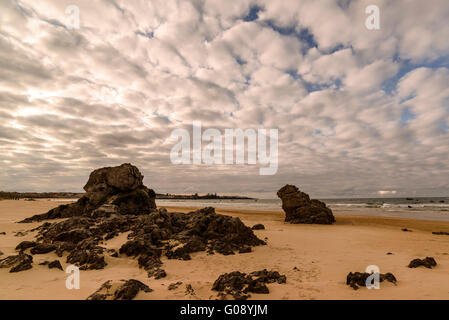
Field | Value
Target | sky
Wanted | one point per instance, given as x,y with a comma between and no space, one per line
359,112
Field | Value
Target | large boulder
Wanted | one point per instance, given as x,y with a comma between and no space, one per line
299,208
109,190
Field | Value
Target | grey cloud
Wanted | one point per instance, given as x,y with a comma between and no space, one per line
74,100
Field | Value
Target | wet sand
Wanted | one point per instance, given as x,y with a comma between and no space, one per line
323,254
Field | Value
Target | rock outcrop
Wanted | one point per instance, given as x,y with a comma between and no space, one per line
55,264
358,279
121,290
299,208
109,190
20,262
239,285
152,232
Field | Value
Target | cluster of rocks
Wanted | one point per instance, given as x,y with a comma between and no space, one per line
178,235
358,279
427,262
116,202
120,290
239,285
299,208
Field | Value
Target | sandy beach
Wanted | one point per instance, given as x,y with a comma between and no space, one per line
322,254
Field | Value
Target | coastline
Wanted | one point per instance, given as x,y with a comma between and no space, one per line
324,255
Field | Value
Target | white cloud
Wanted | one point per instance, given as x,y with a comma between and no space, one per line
358,111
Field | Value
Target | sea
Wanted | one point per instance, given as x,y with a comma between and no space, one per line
423,208
429,208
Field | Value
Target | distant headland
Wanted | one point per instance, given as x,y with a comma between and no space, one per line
75,195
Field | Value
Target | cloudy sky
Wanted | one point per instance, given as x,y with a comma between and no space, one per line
359,112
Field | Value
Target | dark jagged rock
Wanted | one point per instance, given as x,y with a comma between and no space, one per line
189,289
54,265
87,259
109,190
2,233
299,208
17,263
358,279
406,230
25,245
441,233
246,249
238,284
1,253
158,274
173,286
427,262
123,290
258,226
42,248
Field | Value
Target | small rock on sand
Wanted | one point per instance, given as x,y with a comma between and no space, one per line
358,279
427,262
173,286
189,289
238,284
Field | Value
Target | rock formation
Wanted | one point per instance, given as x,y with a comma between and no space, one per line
238,284
109,190
55,264
117,202
20,262
121,290
299,208
358,279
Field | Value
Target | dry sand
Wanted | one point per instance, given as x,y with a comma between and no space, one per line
323,254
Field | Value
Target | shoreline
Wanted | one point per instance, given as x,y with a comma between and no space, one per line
341,219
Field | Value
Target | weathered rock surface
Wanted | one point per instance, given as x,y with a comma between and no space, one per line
239,285
42,248
299,208
109,190
122,290
25,245
17,263
175,285
52,265
427,262
358,279
441,233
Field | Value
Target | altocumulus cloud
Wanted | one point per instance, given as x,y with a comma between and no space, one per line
359,112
